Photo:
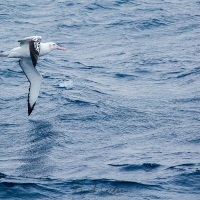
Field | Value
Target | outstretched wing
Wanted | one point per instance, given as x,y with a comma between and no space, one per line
35,81
34,47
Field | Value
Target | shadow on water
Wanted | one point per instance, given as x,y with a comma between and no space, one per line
36,160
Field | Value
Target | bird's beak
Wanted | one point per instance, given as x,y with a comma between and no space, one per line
61,48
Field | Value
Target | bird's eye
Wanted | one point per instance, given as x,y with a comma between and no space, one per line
54,44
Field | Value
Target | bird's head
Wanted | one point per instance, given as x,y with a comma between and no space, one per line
53,46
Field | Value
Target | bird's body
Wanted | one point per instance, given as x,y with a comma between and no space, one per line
23,51
29,51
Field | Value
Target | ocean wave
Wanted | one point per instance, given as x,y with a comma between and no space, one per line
108,186
185,166
51,188
189,181
126,76
182,73
151,23
135,167
2,175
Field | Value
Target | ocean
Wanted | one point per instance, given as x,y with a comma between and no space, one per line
118,115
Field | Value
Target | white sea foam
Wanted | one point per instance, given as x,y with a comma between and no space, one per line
67,84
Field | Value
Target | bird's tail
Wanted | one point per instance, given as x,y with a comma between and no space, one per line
4,53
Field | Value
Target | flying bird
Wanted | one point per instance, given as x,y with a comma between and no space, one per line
28,52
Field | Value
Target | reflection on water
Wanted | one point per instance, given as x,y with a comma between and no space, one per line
36,159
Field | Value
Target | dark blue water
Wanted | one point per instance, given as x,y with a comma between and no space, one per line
118,116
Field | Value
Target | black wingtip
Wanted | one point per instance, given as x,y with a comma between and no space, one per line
30,109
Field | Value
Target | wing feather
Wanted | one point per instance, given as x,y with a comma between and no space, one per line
27,39
35,81
34,47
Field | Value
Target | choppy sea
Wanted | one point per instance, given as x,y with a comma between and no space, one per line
118,116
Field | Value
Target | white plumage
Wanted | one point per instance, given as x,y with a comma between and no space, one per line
29,51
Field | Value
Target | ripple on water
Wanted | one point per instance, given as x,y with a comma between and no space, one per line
135,167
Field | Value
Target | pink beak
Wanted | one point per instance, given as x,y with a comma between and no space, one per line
61,48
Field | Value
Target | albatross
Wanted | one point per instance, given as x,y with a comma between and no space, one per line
28,52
